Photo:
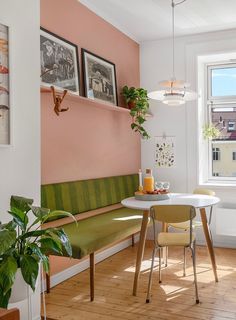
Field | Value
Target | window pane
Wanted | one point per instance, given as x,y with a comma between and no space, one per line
223,82
223,158
223,118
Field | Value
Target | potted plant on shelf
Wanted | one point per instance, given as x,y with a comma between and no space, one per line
137,100
23,246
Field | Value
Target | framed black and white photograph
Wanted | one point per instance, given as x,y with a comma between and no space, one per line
99,78
4,87
59,62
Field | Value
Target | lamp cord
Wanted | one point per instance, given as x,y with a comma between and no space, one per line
173,39
173,4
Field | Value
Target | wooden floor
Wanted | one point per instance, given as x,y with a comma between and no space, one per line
173,299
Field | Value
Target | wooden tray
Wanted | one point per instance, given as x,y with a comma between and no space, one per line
151,197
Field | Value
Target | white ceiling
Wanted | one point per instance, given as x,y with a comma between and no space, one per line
144,20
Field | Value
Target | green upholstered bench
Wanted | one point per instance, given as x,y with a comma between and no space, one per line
101,218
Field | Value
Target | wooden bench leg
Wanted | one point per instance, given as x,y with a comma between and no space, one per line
133,240
92,273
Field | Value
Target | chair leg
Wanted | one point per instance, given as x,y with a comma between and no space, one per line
193,249
166,263
184,269
150,275
160,262
92,273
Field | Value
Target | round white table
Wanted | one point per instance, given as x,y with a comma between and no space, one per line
196,200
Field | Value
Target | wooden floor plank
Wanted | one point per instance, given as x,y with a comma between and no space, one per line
173,299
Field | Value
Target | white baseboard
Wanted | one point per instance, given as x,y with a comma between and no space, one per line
83,265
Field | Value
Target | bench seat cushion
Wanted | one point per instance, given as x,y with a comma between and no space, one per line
99,231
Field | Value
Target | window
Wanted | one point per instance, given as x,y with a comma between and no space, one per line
216,154
223,81
221,111
215,174
231,126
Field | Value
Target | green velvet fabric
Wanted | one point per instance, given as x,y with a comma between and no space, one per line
85,195
99,231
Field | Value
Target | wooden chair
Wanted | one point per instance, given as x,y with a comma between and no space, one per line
196,224
173,214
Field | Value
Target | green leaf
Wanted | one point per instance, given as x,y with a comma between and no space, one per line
64,240
8,268
20,203
37,251
7,239
141,120
20,218
4,298
59,214
29,269
11,225
40,212
133,125
49,244
35,233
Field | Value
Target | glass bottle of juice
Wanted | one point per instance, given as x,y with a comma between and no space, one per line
148,183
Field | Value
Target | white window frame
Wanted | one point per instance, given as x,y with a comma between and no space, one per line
224,101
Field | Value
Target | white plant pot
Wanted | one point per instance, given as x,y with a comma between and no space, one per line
20,289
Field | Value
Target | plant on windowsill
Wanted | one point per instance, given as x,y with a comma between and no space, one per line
210,132
24,245
137,101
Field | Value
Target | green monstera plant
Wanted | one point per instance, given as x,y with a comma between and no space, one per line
24,245
137,100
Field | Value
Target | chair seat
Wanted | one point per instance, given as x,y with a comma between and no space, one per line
166,239
185,225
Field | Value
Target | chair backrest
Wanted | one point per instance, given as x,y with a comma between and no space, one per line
207,192
173,213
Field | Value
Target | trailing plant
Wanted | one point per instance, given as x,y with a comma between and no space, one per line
137,100
210,132
24,245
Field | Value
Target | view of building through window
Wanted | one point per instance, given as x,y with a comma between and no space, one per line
222,102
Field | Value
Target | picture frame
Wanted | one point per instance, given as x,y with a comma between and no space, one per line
99,78
5,110
59,62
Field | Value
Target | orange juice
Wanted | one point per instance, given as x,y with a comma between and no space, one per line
148,183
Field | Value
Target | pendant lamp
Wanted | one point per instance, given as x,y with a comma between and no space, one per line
173,92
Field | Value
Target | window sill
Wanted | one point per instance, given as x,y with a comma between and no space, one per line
219,184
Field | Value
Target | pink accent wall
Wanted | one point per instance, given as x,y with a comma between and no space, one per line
88,142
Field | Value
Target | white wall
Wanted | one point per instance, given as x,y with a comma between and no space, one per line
20,163
181,122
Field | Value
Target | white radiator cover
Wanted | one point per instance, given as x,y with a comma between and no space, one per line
226,219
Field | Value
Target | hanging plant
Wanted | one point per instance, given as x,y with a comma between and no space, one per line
210,132
137,100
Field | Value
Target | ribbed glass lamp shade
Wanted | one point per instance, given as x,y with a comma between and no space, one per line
173,100
173,93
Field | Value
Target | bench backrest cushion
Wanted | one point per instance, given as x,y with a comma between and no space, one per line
85,195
